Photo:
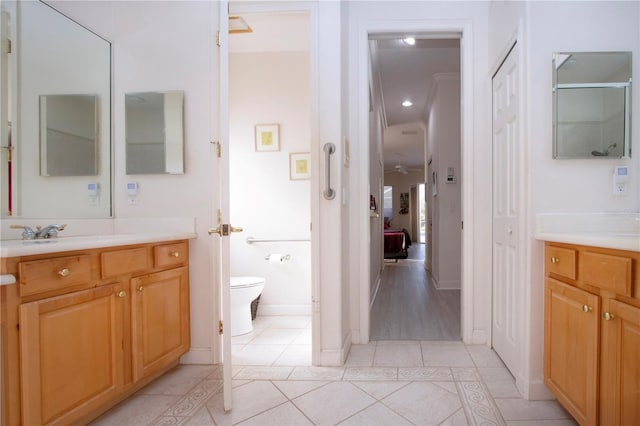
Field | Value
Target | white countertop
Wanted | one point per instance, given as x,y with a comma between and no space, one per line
614,240
12,248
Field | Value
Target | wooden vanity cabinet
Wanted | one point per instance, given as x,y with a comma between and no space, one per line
87,329
592,332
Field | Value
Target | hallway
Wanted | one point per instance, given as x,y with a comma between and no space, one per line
409,307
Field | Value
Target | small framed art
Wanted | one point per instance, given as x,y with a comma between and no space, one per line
267,137
299,166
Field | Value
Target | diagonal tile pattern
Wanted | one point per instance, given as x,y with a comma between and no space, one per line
429,383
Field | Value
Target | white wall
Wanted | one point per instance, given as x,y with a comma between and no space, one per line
271,88
444,150
561,185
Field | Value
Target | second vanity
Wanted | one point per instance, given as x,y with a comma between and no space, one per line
88,321
592,322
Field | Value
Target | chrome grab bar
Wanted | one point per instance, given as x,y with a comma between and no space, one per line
251,240
329,149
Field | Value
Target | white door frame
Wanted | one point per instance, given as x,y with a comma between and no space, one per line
462,29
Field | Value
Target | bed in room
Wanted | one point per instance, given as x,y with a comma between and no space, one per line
396,244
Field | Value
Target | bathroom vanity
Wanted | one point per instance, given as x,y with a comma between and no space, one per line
89,321
592,325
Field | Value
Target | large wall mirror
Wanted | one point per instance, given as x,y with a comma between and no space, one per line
155,135
59,77
592,105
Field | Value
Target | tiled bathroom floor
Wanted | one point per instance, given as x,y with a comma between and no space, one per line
382,383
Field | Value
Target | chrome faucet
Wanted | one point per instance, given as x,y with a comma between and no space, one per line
50,231
28,233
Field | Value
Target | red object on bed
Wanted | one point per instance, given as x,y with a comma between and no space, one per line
394,244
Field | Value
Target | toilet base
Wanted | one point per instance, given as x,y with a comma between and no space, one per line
241,320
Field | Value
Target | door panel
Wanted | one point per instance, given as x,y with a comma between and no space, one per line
507,274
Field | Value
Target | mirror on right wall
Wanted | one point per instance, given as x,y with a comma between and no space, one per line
591,105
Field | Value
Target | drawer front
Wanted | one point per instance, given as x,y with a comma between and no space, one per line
170,254
607,272
44,275
125,261
561,261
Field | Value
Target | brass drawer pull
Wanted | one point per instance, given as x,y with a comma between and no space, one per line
64,272
586,308
174,253
555,260
607,316
121,293
140,288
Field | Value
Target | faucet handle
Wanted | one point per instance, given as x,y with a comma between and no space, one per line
27,232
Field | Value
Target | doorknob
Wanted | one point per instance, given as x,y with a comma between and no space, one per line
224,230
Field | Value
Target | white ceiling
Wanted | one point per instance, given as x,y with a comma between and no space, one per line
406,72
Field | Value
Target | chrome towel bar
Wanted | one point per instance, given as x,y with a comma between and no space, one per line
251,240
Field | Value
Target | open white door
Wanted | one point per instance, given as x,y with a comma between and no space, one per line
220,233
507,196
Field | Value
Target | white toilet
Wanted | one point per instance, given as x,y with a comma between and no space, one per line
243,291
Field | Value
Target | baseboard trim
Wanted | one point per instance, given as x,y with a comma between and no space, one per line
376,287
336,357
478,337
283,309
534,390
198,356
446,285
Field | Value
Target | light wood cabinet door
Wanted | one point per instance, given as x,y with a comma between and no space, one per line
160,320
571,348
620,391
72,357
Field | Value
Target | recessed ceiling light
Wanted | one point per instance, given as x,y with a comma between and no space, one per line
407,103
409,40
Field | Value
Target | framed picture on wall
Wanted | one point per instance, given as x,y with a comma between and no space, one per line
299,166
267,137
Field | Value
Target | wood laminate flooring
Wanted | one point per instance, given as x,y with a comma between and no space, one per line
409,307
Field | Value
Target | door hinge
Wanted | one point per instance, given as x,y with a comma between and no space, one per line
218,38
462,225
219,216
8,45
220,327
218,148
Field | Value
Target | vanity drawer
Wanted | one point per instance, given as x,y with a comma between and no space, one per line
125,261
607,272
561,261
39,276
170,254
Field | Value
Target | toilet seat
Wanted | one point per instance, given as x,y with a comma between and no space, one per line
244,282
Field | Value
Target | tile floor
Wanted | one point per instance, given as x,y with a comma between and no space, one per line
382,383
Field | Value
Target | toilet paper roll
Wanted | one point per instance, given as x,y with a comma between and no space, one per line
278,258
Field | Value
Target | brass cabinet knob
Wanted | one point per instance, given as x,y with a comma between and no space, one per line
586,308
121,293
64,272
607,316
140,288
555,260
174,253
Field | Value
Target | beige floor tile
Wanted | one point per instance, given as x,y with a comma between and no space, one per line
448,386
423,403
297,322
333,403
499,381
257,354
294,388
425,373
201,418
261,322
361,356
463,374
404,355
478,405
179,380
317,373
295,355
457,419
449,354
248,400
377,414
566,422
521,409
243,339
370,373
137,410
379,390
304,338
276,336
189,404
263,373
285,414
484,357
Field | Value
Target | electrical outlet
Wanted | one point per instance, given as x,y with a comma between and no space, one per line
133,201
619,188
